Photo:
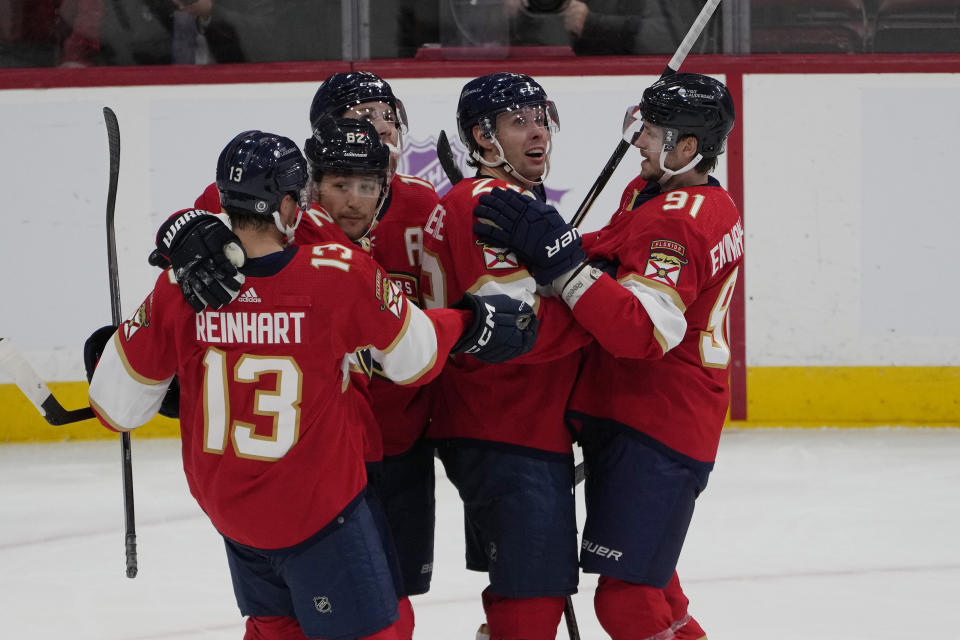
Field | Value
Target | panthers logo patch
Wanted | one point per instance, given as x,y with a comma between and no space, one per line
140,318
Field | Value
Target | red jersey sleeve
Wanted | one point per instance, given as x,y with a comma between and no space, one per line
456,262
209,200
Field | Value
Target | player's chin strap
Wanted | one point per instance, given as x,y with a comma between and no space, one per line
669,173
501,161
286,230
382,206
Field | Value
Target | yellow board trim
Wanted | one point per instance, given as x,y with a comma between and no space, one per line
776,396
21,422
852,396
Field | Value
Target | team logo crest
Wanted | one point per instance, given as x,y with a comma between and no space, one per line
390,295
140,318
322,604
499,258
665,262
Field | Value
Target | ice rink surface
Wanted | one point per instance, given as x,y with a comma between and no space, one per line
828,534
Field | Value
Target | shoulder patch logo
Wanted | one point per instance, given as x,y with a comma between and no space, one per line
665,262
392,299
140,318
499,258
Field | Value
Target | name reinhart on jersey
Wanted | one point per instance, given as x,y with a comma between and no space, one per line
245,327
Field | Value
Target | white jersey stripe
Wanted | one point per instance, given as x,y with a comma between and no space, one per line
124,398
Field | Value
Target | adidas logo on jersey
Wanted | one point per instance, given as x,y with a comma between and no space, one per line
249,296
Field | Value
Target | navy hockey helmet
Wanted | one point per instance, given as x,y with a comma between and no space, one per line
344,145
256,169
341,91
690,104
483,98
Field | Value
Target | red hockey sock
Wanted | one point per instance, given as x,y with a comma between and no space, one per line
629,611
405,622
273,628
684,626
522,618
389,633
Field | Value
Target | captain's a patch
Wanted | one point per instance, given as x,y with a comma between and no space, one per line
666,260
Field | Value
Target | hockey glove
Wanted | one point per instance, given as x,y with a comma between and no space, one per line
542,240
502,328
93,349
204,254
94,346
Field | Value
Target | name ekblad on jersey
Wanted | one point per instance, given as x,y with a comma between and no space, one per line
241,327
498,257
729,248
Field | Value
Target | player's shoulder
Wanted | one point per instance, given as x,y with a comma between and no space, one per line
466,192
413,185
333,259
209,200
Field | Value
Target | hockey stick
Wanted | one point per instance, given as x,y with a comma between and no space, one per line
445,155
672,67
30,384
126,452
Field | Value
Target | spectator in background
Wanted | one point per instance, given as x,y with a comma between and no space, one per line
606,27
47,33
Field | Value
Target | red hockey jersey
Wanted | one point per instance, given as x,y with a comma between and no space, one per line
496,402
271,448
397,244
660,363
399,413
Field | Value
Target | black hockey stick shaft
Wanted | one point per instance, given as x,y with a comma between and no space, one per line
126,450
445,156
672,67
30,384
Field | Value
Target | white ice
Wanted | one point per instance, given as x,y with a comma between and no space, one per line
802,534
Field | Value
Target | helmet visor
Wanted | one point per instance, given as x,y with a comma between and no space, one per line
357,186
374,112
541,115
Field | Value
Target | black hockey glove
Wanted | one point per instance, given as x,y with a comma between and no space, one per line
93,349
94,346
502,328
542,240
204,254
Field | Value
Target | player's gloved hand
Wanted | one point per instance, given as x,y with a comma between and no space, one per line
205,255
502,328
94,346
170,407
93,349
542,240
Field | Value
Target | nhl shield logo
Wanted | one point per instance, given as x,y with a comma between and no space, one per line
322,604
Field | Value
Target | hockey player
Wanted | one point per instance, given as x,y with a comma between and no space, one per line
391,227
405,478
511,460
652,396
270,447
